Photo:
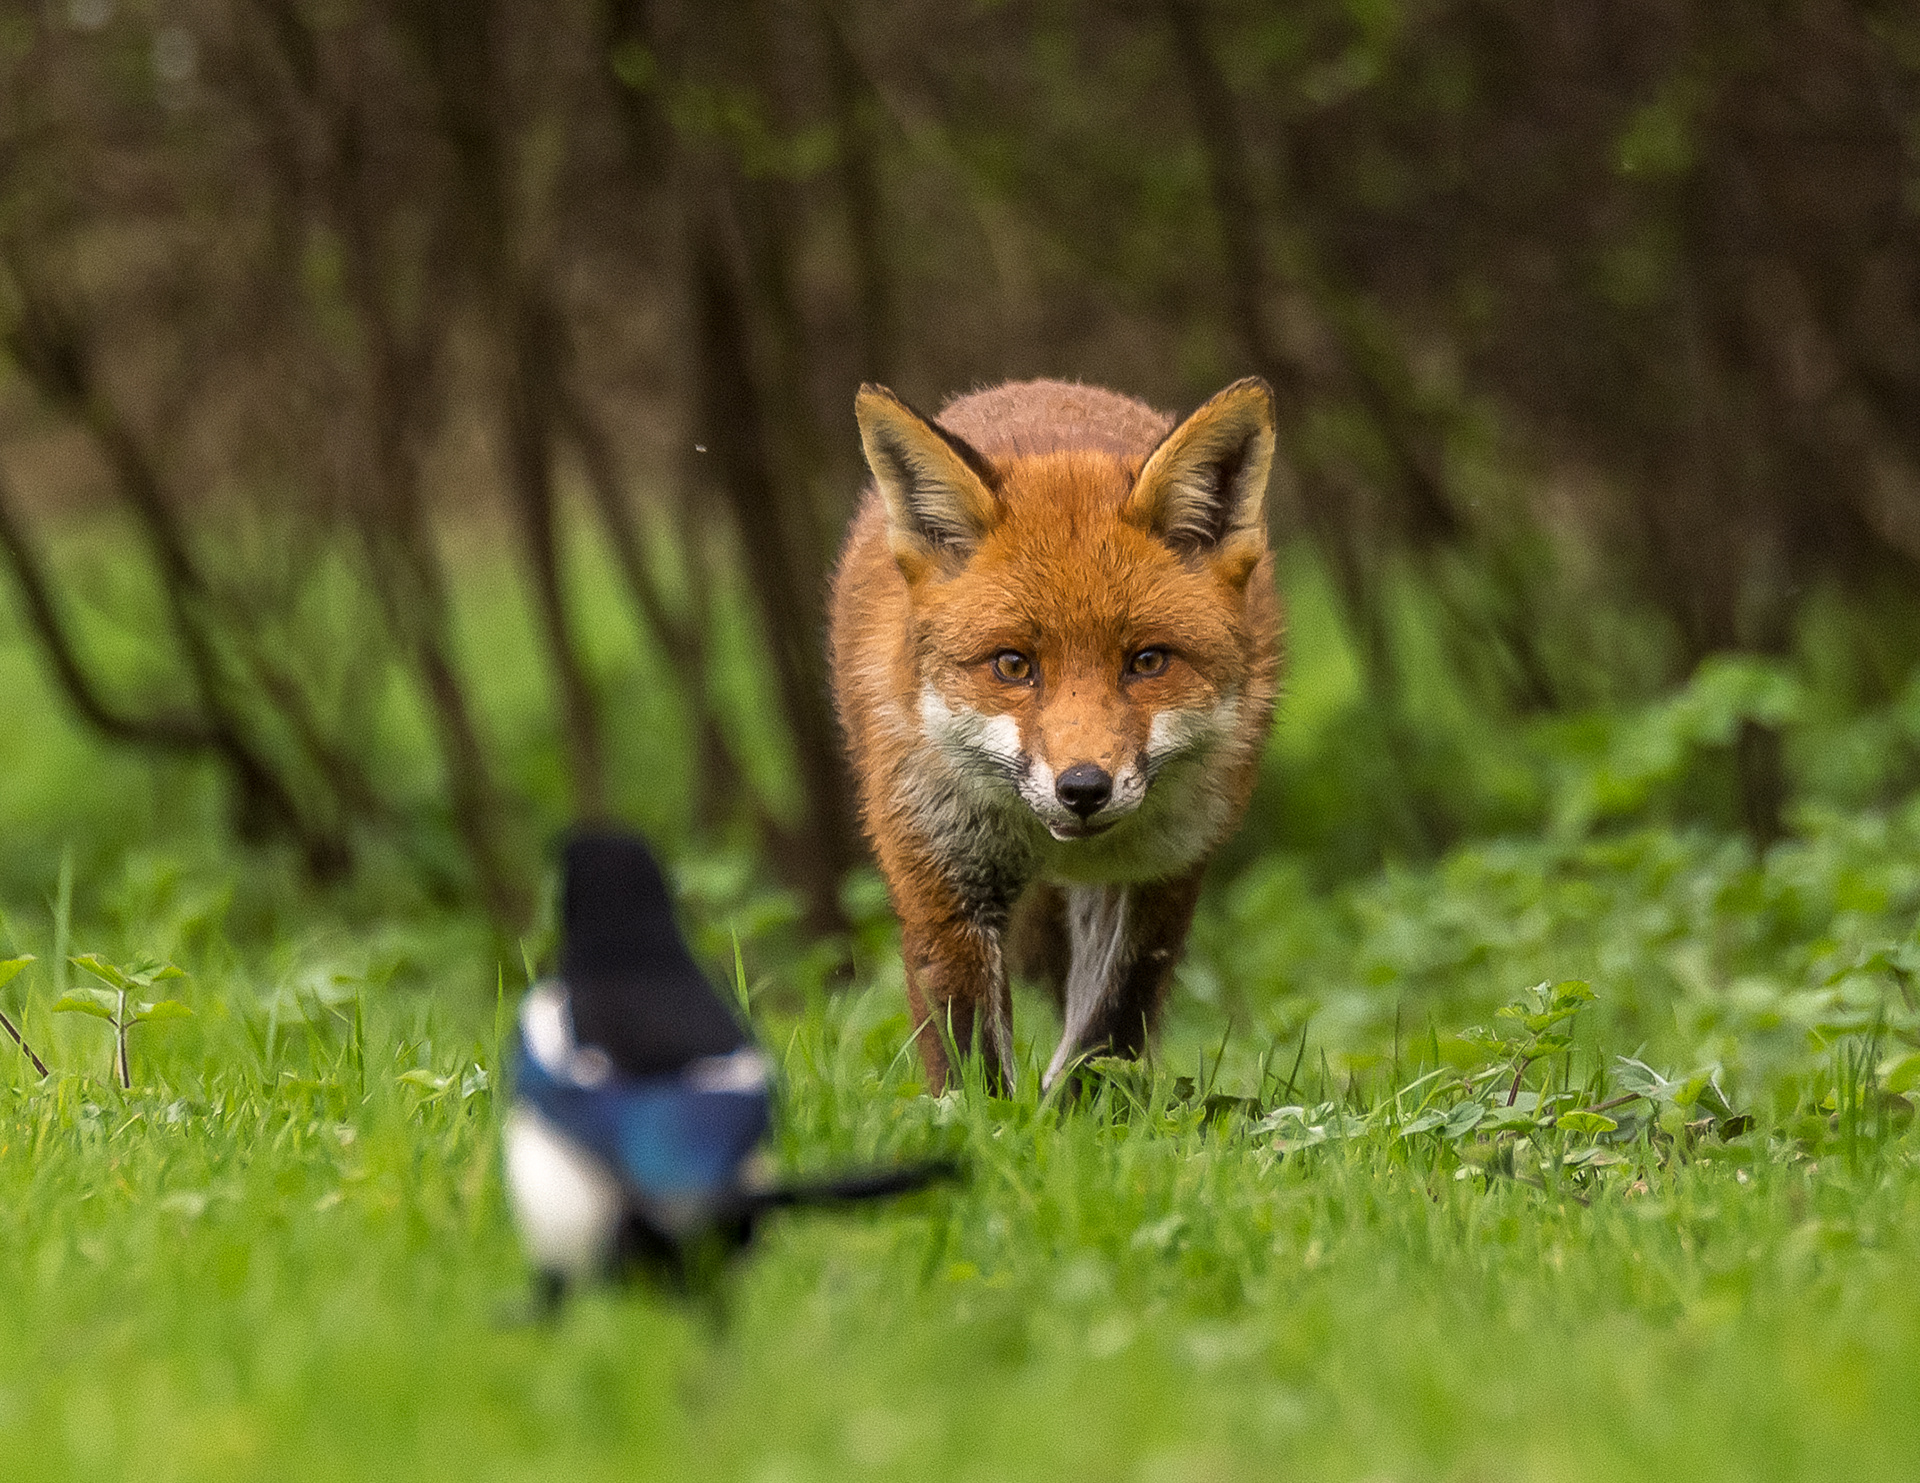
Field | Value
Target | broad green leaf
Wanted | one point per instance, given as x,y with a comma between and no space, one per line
1899,1075
1572,993
1702,1091
11,967
1640,1078
83,1003
1463,1119
1432,1118
166,1009
100,968
1588,1123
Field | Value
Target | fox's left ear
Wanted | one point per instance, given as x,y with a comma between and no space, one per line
1204,489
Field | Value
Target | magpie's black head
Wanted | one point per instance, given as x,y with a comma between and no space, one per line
633,988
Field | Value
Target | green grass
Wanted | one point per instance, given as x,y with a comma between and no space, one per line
284,1252
250,1267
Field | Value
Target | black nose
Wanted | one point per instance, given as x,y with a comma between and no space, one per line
1084,788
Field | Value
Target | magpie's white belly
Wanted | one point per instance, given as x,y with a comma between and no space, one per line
566,1204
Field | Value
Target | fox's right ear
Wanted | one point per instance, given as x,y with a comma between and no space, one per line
939,494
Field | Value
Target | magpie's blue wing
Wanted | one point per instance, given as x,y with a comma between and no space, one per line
676,1144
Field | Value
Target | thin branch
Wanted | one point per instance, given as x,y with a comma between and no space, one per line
402,380
716,780
854,112
1513,1092
21,1041
52,351
162,732
533,363
733,405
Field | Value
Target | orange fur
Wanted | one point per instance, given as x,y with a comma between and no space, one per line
1123,565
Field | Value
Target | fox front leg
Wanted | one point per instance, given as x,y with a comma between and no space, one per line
957,989
1124,943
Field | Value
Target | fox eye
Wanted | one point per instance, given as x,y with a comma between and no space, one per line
1011,666
1148,662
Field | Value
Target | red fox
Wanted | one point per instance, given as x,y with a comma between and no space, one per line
1055,643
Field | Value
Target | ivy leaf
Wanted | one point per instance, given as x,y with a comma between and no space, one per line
1588,1123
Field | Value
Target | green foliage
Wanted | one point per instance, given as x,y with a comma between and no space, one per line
1377,1208
1354,777
114,1004
1486,1119
1360,1154
213,1269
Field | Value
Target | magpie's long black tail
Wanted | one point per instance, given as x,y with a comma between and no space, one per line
854,1185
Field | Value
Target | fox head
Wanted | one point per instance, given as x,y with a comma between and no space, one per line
1080,616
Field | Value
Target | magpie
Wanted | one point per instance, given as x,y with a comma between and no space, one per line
640,1101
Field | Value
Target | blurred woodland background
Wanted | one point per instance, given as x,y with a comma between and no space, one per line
1596,329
